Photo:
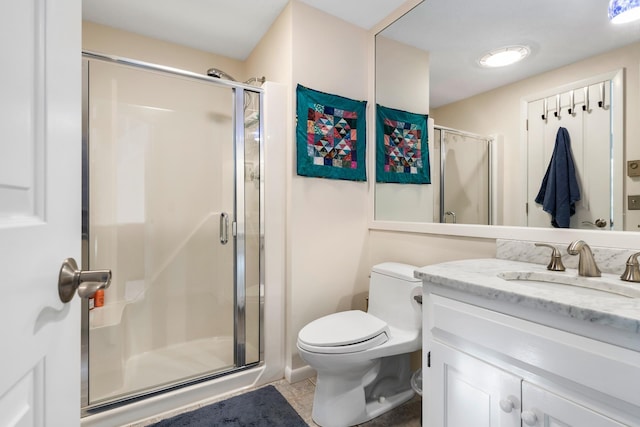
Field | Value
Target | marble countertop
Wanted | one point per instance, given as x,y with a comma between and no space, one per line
480,277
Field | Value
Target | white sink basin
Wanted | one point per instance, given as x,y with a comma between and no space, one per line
551,280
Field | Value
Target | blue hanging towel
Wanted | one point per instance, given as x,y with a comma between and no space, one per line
559,191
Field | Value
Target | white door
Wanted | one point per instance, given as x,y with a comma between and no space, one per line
590,135
542,408
40,142
465,391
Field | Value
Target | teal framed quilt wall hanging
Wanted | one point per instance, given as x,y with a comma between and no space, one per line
402,148
330,135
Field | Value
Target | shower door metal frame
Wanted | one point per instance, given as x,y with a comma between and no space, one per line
238,231
443,157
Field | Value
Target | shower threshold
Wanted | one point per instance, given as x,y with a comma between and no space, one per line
165,367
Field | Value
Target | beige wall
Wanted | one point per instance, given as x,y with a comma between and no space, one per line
426,249
498,112
328,261
272,56
330,249
404,88
107,40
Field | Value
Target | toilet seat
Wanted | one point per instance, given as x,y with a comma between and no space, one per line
344,332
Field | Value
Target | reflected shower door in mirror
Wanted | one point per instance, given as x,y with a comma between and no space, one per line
441,76
464,193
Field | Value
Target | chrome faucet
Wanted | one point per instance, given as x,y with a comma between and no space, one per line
586,264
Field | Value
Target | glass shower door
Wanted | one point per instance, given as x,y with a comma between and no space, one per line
161,215
464,184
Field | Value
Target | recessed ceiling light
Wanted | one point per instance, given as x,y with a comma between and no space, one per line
504,56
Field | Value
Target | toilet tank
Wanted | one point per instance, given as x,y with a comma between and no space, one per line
392,288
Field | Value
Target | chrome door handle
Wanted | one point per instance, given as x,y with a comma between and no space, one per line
600,223
224,228
86,282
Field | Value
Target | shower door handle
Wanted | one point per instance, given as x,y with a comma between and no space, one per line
86,282
224,228
453,215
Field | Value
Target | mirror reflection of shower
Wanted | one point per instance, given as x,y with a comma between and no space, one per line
464,160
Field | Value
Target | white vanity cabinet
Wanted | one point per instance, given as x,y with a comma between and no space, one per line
469,392
464,391
544,408
485,368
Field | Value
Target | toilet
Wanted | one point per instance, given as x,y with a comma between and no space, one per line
363,358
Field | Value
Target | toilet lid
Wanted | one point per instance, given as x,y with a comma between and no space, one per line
343,332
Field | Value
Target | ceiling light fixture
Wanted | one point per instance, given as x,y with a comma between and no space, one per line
622,11
505,56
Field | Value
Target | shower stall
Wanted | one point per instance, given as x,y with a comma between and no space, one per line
173,204
463,163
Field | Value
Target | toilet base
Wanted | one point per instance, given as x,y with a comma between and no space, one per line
361,393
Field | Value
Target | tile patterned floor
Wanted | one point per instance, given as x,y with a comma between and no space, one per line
300,397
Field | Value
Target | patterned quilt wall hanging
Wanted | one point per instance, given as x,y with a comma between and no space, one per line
330,135
402,149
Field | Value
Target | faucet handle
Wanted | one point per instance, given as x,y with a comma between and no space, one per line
587,266
556,258
632,271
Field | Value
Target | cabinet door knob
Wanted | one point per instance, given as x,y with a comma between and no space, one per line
510,403
529,418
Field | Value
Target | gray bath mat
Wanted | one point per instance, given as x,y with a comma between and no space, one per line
264,407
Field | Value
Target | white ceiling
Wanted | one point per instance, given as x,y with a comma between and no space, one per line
455,32
230,28
458,32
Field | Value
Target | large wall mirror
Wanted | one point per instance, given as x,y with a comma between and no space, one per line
492,131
